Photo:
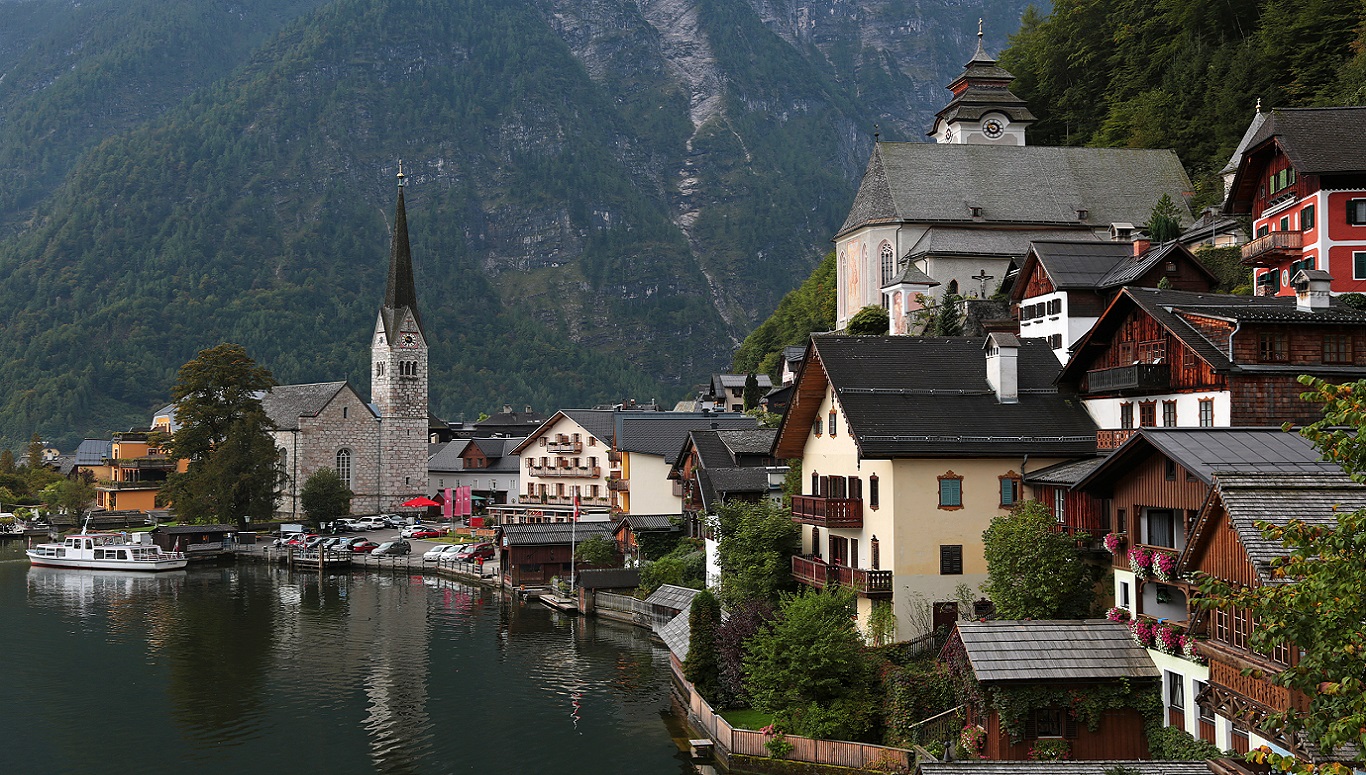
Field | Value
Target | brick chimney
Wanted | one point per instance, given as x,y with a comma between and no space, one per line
1141,246
1003,374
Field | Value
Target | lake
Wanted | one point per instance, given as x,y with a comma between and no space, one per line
251,667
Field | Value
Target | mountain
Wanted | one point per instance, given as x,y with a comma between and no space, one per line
603,198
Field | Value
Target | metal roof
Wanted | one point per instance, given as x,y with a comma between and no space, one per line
1053,650
92,452
663,433
548,533
1068,473
673,597
1204,451
676,634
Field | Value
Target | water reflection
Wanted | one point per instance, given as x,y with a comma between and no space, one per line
248,667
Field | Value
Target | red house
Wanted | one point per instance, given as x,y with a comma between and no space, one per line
1302,178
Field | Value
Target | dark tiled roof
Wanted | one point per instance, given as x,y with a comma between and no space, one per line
1097,767
512,418
928,396
738,380
1068,473
553,533
663,433
928,182
756,441
1252,129
1204,451
1318,141
285,404
676,634
725,481
400,292
1131,268
1079,264
909,274
92,452
1312,498
1075,649
794,352
448,456
596,421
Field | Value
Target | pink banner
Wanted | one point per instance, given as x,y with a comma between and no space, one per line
447,507
465,497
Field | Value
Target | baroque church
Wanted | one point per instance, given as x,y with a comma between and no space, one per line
378,448
956,215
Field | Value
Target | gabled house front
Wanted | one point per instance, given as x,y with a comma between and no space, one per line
1301,175
909,447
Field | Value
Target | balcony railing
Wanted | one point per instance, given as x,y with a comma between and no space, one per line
828,512
1273,248
594,472
867,583
1112,439
1140,377
154,485
154,462
619,485
564,447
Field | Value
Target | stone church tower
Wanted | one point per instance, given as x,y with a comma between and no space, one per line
398,377
983,111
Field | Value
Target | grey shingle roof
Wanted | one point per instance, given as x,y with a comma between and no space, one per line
1205,451
1252,129
663,433
1313,498
673,596
553,533
966,241
794,352
1317,140
1098,767
285,404
448,456
1077,263
756,441
909,274
1068,473
1075,649
932,183
727,481
651,521
676,634
598,422
928,396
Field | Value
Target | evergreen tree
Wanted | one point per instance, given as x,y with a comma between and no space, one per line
33,453
702,666
1164,223
755,551
752,393
6,461
947,319
324,496
224,433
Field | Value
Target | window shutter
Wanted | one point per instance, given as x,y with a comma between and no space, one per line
1069,726
1031,726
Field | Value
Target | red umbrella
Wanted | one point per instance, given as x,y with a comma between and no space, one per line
420,501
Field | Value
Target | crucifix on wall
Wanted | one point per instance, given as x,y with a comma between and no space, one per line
982,277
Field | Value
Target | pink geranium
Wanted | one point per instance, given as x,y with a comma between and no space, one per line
1164,566
1167,639
1114,542
1118,614
1140,561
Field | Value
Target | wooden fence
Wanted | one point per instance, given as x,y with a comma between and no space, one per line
939,728
628,608
748,742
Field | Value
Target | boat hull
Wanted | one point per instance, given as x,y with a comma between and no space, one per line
144,566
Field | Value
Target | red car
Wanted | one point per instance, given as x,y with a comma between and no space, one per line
426,532
475,553
364,546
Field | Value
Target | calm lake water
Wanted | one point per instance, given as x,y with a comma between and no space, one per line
254,669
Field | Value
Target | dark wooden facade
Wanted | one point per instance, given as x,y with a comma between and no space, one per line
1141,339
535,565
1120,736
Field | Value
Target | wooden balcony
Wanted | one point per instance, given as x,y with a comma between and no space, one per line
1113,439
564,447
1138,378
865,583
593,472
619,485
1273,248
151,462
828,512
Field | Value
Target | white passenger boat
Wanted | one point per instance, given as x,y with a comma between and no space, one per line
105,551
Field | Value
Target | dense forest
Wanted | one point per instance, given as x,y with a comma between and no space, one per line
1182,74
603,197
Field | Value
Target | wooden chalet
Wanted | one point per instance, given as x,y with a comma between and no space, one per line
1180,359
1064,286
532,555
716,465
1225,543
1061,659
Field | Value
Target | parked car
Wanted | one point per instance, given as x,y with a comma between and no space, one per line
392,549
421,531
394,520
369,523
475,553
442,553
363,545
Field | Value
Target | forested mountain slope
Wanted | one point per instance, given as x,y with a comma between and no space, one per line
1181,74
603,196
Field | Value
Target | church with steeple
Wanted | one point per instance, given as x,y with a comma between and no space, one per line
378,448
955,216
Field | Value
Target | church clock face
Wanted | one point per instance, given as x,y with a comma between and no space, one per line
993,128
407,340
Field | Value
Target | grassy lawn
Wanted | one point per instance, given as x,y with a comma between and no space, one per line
747,718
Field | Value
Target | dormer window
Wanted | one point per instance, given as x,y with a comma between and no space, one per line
1083,213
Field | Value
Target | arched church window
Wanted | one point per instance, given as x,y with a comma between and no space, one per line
379,369
888,263
344,467
953,287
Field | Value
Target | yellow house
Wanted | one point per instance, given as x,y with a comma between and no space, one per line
909,447
133,473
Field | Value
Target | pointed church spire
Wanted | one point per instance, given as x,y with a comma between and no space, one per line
401,291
